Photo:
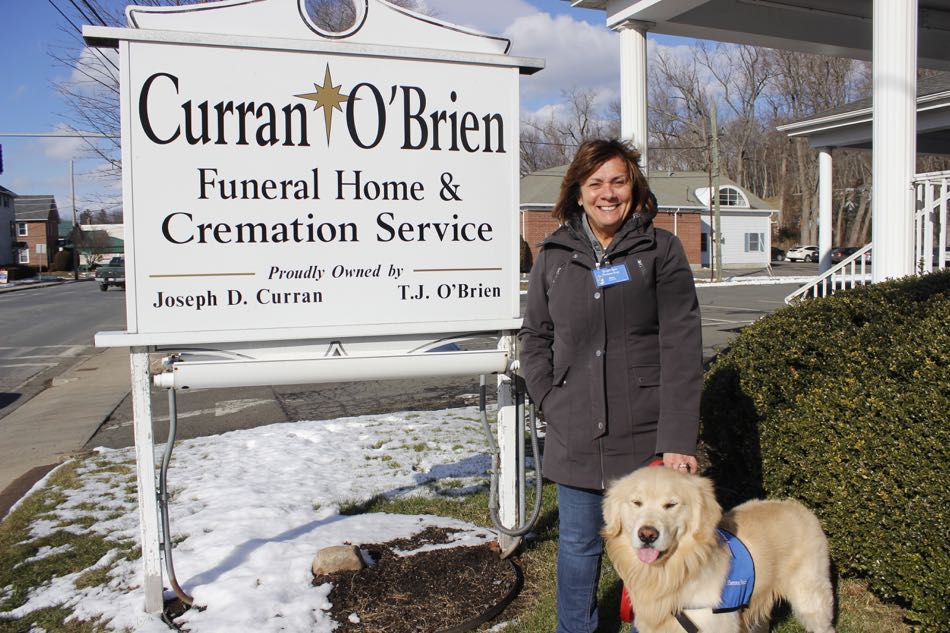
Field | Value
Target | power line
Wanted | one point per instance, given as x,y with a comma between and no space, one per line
58,134
94,12
554,144
76,6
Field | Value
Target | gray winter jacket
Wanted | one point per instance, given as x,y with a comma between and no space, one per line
616,370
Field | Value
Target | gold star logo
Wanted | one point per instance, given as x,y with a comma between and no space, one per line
327,97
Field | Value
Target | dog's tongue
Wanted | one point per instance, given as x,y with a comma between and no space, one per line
648,554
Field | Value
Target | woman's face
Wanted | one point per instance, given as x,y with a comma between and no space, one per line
605,196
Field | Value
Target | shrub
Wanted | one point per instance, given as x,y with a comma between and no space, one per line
63,260
843,403
525,258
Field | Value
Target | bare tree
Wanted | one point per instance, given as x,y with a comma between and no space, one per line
93,245
552,139
678,114
803,85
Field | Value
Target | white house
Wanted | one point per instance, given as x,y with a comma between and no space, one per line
7,228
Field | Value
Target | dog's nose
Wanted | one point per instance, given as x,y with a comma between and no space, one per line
647,534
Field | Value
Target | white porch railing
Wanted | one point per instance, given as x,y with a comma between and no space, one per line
932,195
853,271
931,251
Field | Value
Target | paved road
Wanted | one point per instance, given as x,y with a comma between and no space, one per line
728,309
48,329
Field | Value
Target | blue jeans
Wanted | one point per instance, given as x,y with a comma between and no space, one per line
580,548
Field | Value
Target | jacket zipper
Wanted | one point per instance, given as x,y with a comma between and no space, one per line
600,440
600,444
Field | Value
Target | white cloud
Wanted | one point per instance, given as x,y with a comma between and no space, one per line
21,90
489,16
96,65
576,54
62,148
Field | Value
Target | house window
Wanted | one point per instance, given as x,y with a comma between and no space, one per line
755,242
732,197
24,256
704,242
21,229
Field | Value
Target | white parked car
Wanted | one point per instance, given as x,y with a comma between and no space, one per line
802,254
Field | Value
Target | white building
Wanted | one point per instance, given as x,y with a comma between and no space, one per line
7,228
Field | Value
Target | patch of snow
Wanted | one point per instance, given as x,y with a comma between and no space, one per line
250,509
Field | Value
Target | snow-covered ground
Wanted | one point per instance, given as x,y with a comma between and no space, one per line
250,508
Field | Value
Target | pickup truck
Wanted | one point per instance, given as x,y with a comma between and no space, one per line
111,274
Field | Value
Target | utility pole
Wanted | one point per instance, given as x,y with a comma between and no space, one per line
74,233
717,227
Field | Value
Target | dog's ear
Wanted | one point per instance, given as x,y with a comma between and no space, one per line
708,511
611,507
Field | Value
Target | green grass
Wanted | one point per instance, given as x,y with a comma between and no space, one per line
52,620
21,572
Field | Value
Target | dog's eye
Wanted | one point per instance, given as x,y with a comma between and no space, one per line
669,505
637,503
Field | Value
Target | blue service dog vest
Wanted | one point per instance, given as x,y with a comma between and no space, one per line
740,582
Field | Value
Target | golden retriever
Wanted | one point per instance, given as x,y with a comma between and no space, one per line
660,531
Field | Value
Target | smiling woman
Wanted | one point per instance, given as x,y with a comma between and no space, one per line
605,196
612,316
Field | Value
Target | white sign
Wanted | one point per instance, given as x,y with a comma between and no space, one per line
270,189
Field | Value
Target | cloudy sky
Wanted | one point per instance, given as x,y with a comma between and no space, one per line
29,103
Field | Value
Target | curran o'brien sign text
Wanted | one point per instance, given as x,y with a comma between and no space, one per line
288,189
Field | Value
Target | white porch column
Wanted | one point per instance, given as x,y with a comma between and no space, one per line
633,84
894,138
824,209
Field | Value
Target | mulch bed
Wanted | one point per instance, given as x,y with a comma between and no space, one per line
425,592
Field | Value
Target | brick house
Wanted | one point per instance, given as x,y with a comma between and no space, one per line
684,211
36,220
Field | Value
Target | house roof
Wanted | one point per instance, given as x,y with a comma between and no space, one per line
675,190
7,191
850,124
27,208
926,87
840,28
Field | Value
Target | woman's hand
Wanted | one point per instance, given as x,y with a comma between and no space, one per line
681,463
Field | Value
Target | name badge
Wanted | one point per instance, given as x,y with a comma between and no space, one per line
610,275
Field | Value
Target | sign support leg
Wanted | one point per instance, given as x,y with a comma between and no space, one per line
508,454
145,473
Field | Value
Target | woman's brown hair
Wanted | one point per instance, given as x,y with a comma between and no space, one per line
590,156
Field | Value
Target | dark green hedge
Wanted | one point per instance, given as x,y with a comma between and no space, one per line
844,403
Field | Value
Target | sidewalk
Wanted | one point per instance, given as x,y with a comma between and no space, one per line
781,273
57,422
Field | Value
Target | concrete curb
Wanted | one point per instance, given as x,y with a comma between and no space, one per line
13,287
